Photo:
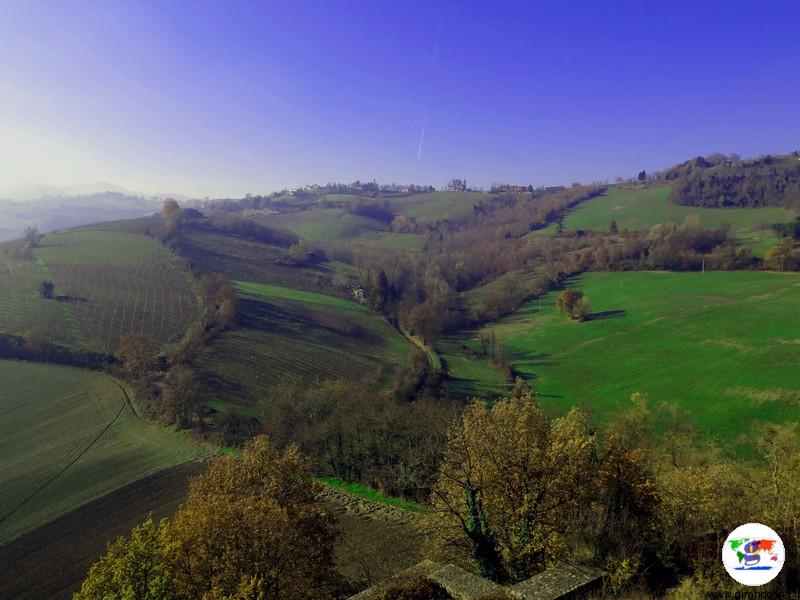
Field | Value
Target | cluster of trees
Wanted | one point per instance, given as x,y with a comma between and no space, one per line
354,433
420,290
251,528
720,181
517,490
372,209
167,386
34,347
514,491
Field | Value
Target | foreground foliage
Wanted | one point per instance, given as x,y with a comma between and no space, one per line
520,491
250,528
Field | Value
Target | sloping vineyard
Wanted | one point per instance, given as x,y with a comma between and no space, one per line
297,335
106,284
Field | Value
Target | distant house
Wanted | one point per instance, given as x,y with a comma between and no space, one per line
456,185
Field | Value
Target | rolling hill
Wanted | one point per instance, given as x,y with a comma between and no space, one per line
678,337
289,334
637,208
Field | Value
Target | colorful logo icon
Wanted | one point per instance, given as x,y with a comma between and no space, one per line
753,554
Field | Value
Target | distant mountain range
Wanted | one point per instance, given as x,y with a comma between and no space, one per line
37,191
51,207
54,212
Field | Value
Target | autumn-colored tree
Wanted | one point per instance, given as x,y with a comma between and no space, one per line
254,520
781,257
221,301
32,340
509,480
171,212
780,448
132,569
250,529
135,352
180,395
169,209
573,303
626,501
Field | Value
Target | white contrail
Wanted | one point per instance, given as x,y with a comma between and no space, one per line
422,133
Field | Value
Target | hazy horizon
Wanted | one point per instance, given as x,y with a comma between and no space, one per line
223,100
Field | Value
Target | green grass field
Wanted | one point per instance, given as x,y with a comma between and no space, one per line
718,344
467,373
641,208
109,283
336,224
68,436
290,333
370,494
435,206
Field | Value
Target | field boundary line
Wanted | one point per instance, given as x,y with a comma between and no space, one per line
91,445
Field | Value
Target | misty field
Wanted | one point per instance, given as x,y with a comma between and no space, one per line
106,283
68,436
716,343
641,208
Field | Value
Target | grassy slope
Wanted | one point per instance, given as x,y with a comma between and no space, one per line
634,208
332,224
717,343
116,282
244,259
49,417
468,374
292,333
435,206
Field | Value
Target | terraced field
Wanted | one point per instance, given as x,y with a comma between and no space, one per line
68,436
289,333
641,208
688,338
243,259
107,283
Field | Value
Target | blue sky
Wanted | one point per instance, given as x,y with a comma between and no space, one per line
223,98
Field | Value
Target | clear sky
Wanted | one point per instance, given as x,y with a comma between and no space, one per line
223,98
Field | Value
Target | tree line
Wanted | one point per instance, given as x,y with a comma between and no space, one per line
724,182
514,490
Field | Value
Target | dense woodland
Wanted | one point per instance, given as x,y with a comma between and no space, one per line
728,181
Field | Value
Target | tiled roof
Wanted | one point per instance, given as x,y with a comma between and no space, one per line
560,581
556,582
